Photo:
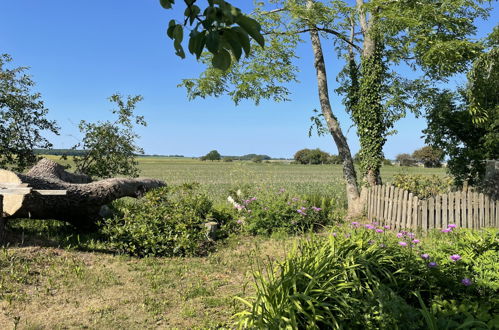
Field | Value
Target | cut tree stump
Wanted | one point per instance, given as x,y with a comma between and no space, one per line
48,191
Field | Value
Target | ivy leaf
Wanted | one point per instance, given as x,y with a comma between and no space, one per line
221,60
252,27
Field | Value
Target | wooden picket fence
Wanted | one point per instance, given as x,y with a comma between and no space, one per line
401,209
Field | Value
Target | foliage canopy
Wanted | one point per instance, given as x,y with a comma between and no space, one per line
22,117
110,147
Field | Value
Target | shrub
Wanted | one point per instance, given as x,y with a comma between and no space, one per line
314,156
268,212
371,278
424,186
166,222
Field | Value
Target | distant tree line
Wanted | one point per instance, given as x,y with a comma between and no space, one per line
60,152
215,155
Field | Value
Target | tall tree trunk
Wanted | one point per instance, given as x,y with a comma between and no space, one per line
355,207
370,99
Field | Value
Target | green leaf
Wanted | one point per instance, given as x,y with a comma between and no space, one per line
212,42
243,39
232,39
196,43
167,4
221,60
178,33
192,13
171,27
252,27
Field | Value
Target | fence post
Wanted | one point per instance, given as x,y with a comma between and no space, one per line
481,209
454,208
424,214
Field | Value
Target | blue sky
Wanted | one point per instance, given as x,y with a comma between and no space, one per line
81,52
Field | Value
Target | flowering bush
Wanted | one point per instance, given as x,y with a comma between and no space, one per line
268,212
165,222
370,277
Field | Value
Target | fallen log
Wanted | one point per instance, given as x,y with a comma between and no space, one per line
82,201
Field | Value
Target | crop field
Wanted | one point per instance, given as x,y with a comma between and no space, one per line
216,178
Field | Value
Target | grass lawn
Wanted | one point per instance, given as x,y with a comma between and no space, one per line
46,287
51,278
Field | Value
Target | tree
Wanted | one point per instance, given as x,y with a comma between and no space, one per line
405,160
212,155
465,123
428,36
109,147
22,117
429,156
311,156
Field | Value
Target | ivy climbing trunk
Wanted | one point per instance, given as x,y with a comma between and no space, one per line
368,111
355,205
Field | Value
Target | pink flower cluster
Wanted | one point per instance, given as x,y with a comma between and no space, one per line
449,228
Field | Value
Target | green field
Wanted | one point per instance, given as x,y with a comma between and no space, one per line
218,177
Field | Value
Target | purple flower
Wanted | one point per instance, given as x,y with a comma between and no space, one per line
334,234
240,221
432,264
448,230
400,235
415,241
402,243
379,230
375,223
294,199
301,212
411,235
386,227
452,226
347,235
369,226
316,209
466,281
425,256
252,199
355,224
455,257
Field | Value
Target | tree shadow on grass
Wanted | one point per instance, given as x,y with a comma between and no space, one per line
54,233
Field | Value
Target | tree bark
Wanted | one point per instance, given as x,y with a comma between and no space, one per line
81,204
353,195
